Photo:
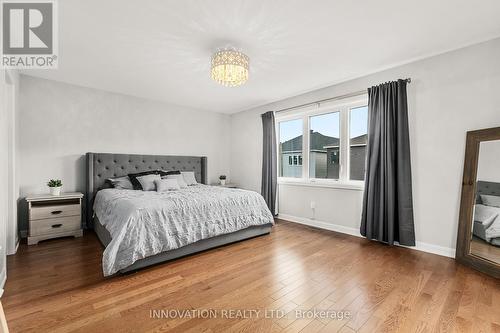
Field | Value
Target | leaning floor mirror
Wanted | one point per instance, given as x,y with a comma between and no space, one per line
478,243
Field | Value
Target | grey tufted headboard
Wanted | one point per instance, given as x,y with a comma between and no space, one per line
101,166
487,188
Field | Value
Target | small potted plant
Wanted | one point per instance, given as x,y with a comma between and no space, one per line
222,179
55,186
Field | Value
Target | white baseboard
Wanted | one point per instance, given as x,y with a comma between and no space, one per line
432,248
321,224
420,246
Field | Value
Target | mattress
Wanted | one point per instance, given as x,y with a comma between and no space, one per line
142,224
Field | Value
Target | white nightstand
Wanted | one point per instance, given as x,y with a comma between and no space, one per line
54,216
228,185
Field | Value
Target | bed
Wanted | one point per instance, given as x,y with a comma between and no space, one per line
140,228
487,218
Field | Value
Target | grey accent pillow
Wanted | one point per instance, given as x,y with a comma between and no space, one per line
189,177
121,183
148,182
180,180
490,200
164,173
164,185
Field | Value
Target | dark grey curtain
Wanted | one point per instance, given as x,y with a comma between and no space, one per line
387,202
269,160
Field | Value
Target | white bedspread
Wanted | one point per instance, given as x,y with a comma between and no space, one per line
143,223
493,230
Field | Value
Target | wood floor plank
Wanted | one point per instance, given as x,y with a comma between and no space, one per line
57,286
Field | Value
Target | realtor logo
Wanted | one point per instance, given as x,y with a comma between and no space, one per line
29,37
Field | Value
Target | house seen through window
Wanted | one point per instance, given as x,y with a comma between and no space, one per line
290,148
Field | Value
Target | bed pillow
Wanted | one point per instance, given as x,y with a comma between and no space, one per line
485,215
189,177
164,173
121,183
180,180
148,182
490,200
135,182
165,185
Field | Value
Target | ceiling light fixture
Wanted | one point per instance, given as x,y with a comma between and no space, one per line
230,67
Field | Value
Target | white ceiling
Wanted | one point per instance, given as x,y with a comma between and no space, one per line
160,49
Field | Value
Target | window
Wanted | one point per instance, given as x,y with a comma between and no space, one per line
358,137
290,148
328,141
324,141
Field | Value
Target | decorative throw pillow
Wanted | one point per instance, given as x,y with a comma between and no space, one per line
135,182
164,185
179,178
121,183
164,173
189,177
148,182
490,200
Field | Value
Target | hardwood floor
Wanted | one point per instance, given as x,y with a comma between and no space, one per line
485,250
57,286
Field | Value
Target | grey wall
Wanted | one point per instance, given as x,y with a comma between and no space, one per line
60,122
449,95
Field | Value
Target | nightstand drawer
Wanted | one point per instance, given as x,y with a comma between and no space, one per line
54,225
48,212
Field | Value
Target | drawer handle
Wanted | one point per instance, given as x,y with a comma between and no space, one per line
56,212
57,225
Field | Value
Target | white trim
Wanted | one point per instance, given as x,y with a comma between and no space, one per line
12,186
343,107
431,248
317,182
16,247
306,145
3,279
420,246
321,224
344,142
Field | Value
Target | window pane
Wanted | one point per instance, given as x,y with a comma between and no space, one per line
358,138
290,148
324,151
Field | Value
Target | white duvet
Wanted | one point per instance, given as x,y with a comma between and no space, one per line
145,223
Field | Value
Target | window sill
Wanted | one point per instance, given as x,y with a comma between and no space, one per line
356,186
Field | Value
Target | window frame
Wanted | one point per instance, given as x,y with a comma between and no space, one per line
343,106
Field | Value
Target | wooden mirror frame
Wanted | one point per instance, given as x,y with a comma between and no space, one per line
468,200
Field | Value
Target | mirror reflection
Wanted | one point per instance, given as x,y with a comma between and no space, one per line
485,236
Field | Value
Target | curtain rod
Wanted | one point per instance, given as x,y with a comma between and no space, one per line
357,93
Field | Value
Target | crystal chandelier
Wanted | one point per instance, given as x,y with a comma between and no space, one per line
229,67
